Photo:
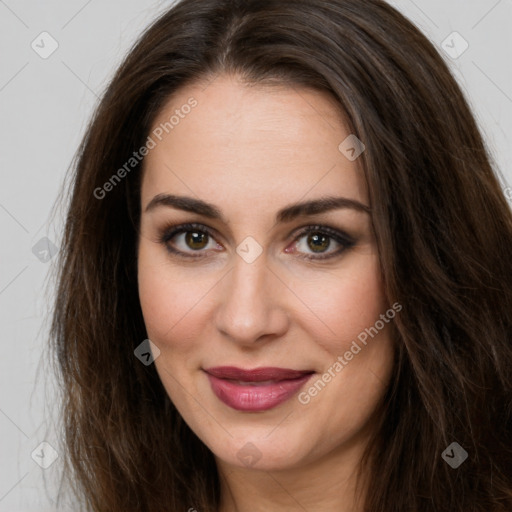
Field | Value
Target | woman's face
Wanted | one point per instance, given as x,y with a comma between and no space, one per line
248,288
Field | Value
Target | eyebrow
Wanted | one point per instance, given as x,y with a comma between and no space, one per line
286,214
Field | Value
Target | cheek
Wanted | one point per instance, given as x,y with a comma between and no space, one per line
343,304
355,374
170,303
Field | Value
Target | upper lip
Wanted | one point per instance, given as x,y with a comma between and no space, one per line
256,374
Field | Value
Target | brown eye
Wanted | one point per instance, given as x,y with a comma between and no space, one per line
321,243
189,240
318,242
196,239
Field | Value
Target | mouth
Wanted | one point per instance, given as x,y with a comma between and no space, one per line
255,390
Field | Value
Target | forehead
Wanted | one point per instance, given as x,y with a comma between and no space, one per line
242,143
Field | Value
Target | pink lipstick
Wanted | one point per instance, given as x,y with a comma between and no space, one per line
255,390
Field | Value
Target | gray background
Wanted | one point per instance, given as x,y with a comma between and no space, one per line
45,104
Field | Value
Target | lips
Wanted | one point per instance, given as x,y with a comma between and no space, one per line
255,390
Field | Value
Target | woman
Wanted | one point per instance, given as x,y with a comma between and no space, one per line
285,280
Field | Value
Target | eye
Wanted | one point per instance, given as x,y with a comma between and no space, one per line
196,240
319,239
187,239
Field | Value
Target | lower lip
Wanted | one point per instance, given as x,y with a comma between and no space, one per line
253,398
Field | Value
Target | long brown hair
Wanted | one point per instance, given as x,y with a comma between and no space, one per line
444,234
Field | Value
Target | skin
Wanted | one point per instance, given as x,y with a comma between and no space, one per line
250,151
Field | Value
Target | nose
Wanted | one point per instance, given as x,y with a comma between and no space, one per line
250,309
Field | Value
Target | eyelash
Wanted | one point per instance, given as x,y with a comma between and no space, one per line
340,237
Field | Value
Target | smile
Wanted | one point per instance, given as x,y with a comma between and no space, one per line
255,390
